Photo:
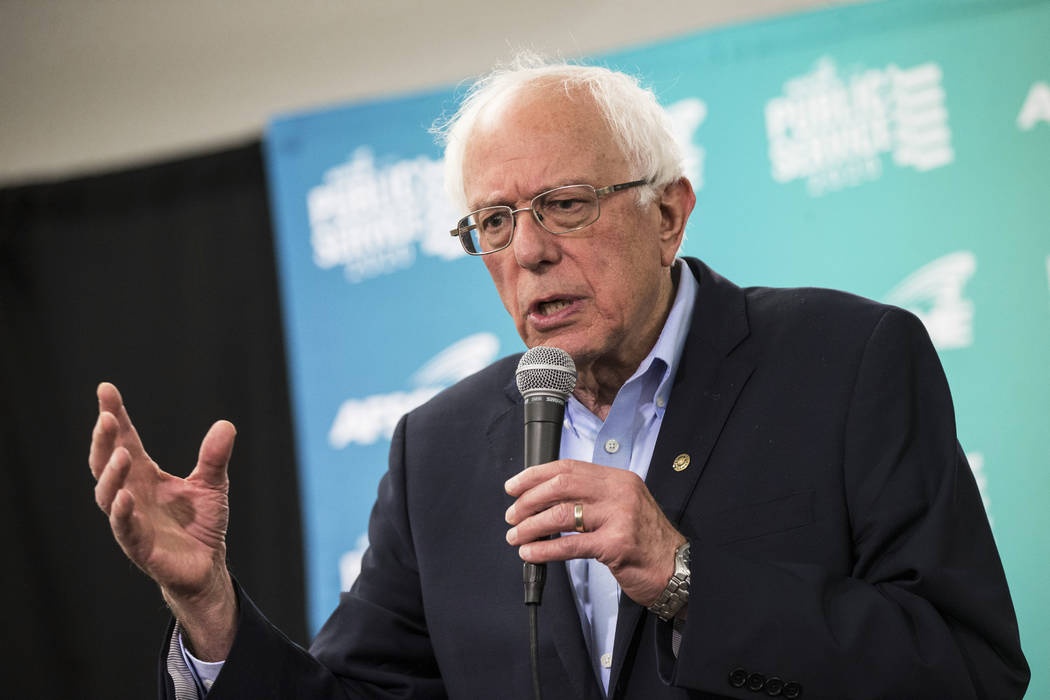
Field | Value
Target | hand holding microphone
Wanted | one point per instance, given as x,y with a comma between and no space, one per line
621,523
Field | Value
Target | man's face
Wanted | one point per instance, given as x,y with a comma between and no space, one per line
600,293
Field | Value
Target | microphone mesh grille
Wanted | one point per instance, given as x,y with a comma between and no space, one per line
546,369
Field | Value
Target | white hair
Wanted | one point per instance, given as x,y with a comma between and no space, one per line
639,125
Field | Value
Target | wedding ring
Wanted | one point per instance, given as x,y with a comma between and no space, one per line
577,512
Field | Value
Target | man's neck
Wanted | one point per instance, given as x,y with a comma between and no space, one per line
599,382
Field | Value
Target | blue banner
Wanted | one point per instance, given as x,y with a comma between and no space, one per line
897,150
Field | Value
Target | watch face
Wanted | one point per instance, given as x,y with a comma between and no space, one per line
681,557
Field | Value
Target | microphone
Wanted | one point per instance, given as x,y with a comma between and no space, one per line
546,377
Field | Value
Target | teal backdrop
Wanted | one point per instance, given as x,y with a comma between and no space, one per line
897,150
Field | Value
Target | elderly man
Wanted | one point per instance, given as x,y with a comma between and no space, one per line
787,458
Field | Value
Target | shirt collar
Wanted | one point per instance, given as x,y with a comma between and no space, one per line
671,342
658,368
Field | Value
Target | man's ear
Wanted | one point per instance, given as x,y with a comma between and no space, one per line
676,203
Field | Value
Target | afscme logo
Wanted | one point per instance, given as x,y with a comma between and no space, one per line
686,117
934,293
373,216
367,420
1036,107
350,563
831,127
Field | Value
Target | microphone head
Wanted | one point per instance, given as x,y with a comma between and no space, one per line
544,370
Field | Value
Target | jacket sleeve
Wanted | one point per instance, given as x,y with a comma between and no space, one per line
375,644
923,612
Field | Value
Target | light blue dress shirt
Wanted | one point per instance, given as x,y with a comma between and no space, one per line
624,440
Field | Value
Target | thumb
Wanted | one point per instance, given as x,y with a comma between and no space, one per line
214,456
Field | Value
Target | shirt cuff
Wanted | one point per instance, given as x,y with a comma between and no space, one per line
204,672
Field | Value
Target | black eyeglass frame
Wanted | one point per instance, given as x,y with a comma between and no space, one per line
463,228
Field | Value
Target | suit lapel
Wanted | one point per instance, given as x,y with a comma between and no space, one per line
559,621
706,387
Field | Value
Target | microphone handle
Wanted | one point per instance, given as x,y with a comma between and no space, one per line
543,418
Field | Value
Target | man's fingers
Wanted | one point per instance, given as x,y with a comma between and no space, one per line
112,478
562,486
110,401
103,438
216,449
122,521
559,549
560,517
530,477
109,398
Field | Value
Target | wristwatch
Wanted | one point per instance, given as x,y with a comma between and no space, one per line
676,594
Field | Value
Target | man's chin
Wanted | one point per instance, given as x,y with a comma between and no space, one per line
580,352
573,338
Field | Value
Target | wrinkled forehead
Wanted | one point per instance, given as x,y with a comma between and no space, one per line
545,128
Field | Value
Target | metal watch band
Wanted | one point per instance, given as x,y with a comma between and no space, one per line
676,594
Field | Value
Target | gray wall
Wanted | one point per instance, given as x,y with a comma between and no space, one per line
94,85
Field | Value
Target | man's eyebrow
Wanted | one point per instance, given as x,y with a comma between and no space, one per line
503,201
495,201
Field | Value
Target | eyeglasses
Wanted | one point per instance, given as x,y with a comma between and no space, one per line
561,210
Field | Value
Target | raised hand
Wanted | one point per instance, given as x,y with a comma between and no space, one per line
173,529
625,528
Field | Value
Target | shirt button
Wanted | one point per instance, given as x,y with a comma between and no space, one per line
611,446
660,402
606,660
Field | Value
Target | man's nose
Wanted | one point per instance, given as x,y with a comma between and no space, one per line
533,245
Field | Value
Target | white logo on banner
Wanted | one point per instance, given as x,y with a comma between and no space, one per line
1036,107
366,421
350,563
832,129
934,293
976,460
686,117
371,218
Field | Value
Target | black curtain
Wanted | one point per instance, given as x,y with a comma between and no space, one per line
162,280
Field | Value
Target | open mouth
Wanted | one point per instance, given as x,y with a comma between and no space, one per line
553,311
549,308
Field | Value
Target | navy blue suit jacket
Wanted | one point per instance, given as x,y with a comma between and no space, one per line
838,538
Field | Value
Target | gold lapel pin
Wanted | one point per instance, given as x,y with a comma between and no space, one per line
680,462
